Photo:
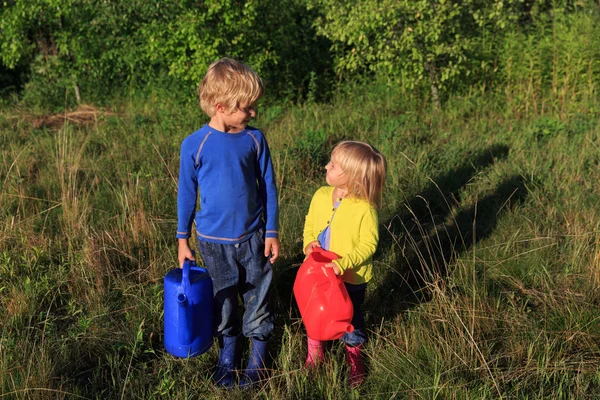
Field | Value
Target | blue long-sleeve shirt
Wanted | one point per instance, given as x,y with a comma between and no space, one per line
234,174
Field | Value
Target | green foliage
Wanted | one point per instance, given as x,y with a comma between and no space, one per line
415,41
188,38
130,47
546,127
67,43
128,44
437,46
560,56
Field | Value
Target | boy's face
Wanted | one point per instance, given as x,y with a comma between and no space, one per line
238,119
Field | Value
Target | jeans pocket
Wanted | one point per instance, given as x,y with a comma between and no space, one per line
260,236
207,249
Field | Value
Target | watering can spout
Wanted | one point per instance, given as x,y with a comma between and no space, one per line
337,328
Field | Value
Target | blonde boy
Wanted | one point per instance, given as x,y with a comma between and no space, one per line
230,164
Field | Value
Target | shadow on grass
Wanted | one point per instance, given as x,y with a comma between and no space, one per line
426,236
287,314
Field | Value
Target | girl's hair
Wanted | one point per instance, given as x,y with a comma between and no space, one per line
230,83
365,168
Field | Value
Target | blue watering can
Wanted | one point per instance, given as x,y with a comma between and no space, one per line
188,310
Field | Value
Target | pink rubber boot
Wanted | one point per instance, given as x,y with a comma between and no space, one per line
355,360
315,353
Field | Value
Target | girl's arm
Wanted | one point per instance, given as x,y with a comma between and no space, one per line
309,235
367,244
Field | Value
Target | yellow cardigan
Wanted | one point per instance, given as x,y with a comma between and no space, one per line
353,233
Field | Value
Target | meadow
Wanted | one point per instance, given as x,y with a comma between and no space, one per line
487,272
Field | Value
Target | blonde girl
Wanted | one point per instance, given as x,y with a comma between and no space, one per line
342,218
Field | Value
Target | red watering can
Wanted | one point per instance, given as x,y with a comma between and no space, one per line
322,298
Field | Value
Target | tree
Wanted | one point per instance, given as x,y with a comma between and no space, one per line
416,40
109,43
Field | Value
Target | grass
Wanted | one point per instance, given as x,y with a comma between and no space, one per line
487,269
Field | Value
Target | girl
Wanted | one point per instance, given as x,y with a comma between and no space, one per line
342,218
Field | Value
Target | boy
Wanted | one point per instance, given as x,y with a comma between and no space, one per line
230,164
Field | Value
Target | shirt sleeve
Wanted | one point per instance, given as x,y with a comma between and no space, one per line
268,189
367,243
187,191
309,234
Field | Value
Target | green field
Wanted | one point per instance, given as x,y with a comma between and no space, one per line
487,272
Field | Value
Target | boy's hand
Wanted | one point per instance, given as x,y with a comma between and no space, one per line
272,249
336,269
183,252
311,247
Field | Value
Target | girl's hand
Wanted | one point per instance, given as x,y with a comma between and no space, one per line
183,252
311,247
334,267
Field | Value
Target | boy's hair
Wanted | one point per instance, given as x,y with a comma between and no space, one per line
365,168
230,83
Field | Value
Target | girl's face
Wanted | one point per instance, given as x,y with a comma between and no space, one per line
335,176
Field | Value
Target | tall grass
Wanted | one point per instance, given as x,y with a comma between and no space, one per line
486,274
555,67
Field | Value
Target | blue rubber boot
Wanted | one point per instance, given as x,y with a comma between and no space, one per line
256,364
225,373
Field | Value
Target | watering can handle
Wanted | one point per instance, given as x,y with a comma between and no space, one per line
185,274
330,274
329,256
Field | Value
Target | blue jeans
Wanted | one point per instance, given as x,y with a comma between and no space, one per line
240,270
357,296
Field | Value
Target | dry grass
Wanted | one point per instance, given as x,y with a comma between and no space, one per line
84,114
